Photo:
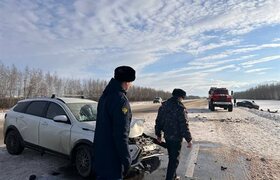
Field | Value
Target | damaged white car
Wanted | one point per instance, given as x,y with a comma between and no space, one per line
66,126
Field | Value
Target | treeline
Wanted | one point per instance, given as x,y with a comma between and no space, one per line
193,97
261,92
17,84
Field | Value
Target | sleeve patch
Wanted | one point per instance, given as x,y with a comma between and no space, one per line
124,110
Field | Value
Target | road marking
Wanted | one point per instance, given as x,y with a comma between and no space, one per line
192,160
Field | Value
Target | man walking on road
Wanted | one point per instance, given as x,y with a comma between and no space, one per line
111,151
172,120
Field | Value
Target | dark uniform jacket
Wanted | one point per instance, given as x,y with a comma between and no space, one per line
111,151
172,120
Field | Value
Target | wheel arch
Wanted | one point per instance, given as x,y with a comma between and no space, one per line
78,144
12,128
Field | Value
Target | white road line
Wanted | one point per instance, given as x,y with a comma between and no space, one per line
192,160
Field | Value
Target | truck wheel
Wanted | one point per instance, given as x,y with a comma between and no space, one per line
209,107
212,107
13,143
230,109
83,161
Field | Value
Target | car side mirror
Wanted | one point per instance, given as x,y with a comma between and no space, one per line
60,118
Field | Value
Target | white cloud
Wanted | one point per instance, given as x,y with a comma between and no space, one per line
254,48
262,60
218,69
258,70
229,52
85,35
199,48
276,40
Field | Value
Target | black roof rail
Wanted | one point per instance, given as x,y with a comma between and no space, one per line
74,96
60,100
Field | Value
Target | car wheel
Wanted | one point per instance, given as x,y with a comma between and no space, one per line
212,107
14,144
83,161
151,164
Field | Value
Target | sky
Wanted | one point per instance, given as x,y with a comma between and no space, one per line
188,44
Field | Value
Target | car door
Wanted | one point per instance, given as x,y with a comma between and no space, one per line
53,135
29,121
248,104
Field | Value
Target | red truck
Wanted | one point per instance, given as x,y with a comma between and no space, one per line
219,97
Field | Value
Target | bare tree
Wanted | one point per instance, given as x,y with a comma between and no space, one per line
34,83
266,91
12,81
3,80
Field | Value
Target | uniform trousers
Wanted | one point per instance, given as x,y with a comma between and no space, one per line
174,149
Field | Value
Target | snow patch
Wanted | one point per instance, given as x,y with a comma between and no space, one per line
2,114
266,114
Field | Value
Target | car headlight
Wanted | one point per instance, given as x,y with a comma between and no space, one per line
150,147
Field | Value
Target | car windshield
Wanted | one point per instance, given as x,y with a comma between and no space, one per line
221,91
83,111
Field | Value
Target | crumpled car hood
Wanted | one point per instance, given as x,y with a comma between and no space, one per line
136,128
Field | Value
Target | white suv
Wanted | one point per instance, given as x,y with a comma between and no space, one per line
66,126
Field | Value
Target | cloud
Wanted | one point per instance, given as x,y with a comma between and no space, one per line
199,48
258,70
91,38
262,60
254,48
242,50
276,40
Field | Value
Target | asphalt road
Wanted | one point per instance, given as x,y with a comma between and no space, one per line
153,107
203,161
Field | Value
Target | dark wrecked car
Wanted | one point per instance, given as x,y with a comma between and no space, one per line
248,104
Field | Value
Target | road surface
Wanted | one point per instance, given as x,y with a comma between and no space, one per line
227,145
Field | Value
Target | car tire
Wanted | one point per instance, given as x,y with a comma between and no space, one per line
230,109
212,107
151,164
14,143
83,161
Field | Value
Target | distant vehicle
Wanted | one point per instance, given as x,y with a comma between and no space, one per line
248,104
157,100
219,97
66,126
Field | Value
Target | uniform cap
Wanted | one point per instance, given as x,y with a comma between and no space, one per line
179,93
124,74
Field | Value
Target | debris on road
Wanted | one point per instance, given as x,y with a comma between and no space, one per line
223,168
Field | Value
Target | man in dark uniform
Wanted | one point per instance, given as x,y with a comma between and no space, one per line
111,151
172,120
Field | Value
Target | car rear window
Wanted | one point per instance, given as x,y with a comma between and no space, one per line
221,91
36,108
21,106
